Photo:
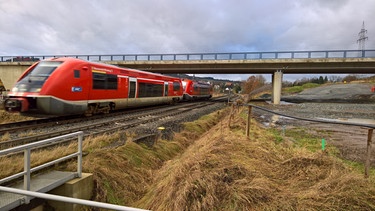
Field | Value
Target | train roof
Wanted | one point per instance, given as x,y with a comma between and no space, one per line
103,65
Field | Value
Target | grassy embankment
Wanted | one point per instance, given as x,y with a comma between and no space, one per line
223,170
298,89
266,91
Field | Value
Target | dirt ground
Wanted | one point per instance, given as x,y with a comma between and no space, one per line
342,102
350,140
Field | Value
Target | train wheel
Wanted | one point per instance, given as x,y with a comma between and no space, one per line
112,107
90,110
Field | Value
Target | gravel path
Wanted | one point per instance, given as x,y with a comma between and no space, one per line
342,93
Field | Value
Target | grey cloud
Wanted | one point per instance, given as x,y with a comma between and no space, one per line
184,26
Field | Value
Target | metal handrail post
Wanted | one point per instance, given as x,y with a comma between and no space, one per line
79,157
27,174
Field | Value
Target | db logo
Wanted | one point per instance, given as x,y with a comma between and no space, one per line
76,89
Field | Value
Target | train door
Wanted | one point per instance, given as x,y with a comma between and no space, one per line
132,91
165,89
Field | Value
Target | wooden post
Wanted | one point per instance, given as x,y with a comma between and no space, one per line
231,115
369,142
248,122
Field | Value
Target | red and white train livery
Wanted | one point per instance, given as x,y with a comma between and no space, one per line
65,86
196,90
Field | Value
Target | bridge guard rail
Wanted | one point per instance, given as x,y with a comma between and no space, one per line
204,56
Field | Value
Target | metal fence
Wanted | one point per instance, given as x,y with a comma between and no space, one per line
369,127
204,56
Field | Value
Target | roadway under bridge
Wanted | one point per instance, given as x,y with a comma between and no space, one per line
275,63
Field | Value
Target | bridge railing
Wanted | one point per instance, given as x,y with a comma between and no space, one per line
205,56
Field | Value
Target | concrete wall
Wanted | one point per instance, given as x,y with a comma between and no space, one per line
9,73
80,188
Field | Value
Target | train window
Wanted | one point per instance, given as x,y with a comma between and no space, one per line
195,87
36,77
176,86
77,74
111,81
98,80
104,81
45,68
150,90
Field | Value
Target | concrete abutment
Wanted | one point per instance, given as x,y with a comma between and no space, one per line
80,188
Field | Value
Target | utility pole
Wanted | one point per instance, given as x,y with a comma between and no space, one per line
362,38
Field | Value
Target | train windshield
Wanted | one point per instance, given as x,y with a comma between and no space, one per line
35,79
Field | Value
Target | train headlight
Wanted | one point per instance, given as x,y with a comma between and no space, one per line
15,89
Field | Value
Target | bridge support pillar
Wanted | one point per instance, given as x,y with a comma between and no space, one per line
277,79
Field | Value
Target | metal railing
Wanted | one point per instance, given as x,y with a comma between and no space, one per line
69,200
204,56
370,128
27,170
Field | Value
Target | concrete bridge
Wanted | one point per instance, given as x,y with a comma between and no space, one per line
275,63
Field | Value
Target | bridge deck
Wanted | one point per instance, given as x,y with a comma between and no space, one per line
39,183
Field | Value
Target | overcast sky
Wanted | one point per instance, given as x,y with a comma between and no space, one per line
45,27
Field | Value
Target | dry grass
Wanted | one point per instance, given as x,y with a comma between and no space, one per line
222,170
5,137
225,171
6,117
14,164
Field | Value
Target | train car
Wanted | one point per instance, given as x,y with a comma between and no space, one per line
194,90
66,86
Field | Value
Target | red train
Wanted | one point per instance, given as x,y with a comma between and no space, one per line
65,86
196,90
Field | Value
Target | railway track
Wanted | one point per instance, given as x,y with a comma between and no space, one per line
43,129
14,127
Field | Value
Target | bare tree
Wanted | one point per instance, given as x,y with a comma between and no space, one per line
252,83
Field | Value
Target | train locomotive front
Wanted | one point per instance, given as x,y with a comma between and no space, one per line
66,86
43,89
